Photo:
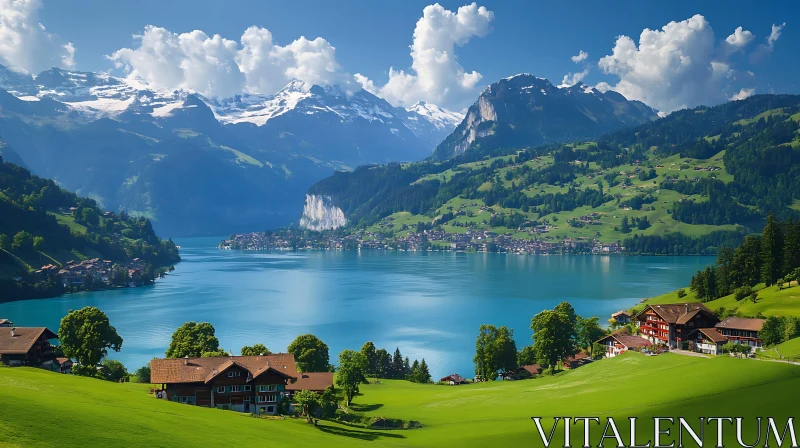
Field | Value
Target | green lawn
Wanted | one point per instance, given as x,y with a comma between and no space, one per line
47,409
771,301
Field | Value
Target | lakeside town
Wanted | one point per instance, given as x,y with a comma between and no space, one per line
426,240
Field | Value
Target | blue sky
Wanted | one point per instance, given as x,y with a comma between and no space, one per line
516,36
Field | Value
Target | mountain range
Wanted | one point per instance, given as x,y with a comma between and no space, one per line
198,165
524,111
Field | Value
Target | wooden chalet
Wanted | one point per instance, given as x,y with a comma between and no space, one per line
707,340
453,380
576,360
255,384
26,346
523,372
742,330
622,317
672,324
621,341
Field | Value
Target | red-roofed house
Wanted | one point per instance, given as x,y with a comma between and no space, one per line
621,341
26,346
672,324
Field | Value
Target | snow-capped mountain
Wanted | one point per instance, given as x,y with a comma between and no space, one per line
525,111
140,148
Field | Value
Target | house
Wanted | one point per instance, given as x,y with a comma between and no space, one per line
26,346
255,384
523,372
453,379
6,323
672,324
742,330
707,340
621,341
622,317
576,360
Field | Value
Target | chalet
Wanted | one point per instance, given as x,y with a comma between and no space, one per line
622,317
621,341
576,360
6,323
453,379
707,340
523,372
672,324
26,346
255,384
742,330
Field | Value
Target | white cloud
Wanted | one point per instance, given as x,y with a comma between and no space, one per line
763,50
676,67
742,94
570,79
582,55
775,34
436,74
216,66
25,43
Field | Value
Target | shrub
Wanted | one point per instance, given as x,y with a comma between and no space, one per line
681,293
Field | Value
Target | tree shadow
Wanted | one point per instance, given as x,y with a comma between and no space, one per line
357,433
365,407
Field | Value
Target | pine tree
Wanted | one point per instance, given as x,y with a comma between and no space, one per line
414,374
397,364
424,375
771,251
406,367
791,246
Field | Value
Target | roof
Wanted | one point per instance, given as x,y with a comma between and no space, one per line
316,381
454,377
628,340
677,313
201,370
713,335
533,369
23,340
577,357
741,323
61,361
621,313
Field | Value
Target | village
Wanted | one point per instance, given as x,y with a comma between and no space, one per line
267,384
95,273
426,240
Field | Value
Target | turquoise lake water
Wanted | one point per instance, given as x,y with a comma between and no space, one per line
429,305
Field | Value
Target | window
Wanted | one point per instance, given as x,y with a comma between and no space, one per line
261,399
236,388
247,388
234,373
268,388
221,389
266,398
270,409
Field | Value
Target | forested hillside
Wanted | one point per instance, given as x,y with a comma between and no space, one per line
42,224
686,183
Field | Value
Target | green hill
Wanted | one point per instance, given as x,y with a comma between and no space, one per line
42,224
48,409
710,175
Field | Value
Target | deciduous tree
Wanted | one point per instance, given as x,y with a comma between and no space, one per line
310,353
192,339
86,336
351,372
255,350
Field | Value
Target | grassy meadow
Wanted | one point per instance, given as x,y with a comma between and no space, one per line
771,301
42,409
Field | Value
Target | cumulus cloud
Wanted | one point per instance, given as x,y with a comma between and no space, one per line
678,66
763,50
25,43
570,79
215,66
436,75
742,94
582,55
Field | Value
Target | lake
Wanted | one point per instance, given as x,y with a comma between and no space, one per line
430,305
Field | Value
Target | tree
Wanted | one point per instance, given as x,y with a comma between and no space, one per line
23,241
370,353
527,356
192,339
771,251
384,363
142,374
85,336
773,331
38,243
598,350
791,246
625,227
495,351
587,331
90,216
742,293
310,353
553,336
112,370
306,399
397,364
255,350
351,372
214,353
681,293
424,374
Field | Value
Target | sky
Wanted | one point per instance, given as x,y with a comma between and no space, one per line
671,55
